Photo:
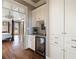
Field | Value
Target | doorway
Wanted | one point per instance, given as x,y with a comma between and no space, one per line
19,29
16,28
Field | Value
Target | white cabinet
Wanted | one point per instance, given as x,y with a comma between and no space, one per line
25,41
70,47
62,47
56,28
31,42
56,40
56,47
56,16
70,16
62,29
33,18
39,14
69,55
56,52
62,17
70,29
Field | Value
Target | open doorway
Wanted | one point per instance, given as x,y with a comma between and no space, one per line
19,29
16,28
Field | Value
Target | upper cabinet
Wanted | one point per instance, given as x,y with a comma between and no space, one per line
62,17
39,14
70,16
56,16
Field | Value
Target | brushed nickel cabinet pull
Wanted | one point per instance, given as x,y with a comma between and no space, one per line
56,42
73,40
73,46
64,33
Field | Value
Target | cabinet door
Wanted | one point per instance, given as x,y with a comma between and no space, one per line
56,16
46,15
56,52
33,42
70,48
56,47
26,38
70,16
39,14
33,18
56,40
70,55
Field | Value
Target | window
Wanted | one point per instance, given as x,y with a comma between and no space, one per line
21,10
6,4
13,10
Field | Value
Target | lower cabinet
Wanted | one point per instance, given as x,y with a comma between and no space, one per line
70,47
70,55
62,47
31,42
56,47
56,52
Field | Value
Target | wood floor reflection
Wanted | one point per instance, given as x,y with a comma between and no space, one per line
14,50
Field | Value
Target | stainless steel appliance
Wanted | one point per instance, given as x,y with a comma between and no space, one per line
40,45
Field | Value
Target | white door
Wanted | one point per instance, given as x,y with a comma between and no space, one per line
70,16
56,52
33,18
33,42
70,47
56,16
56,47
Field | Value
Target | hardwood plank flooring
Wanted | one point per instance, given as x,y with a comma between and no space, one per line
14,50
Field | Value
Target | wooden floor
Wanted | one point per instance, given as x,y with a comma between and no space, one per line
14,50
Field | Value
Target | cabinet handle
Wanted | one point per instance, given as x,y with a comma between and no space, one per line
56,42
73,40
64,33
73,46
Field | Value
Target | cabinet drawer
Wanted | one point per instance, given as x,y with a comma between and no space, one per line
70,45
56,41
70,40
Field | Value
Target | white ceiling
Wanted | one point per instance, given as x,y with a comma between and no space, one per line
35,4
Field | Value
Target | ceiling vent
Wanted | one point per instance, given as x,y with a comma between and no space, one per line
35,1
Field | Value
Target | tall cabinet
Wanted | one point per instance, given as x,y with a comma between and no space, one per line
62,31
56,29
70,29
